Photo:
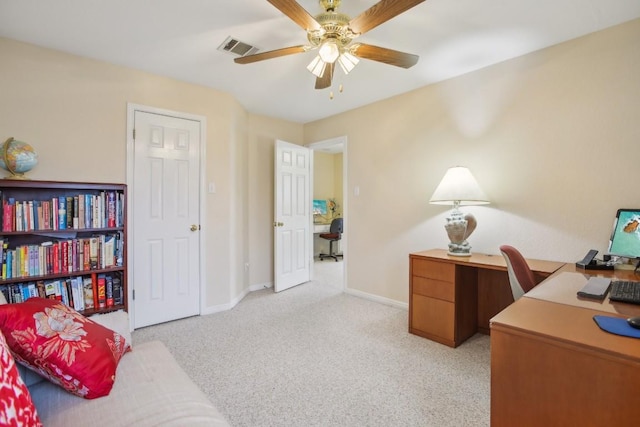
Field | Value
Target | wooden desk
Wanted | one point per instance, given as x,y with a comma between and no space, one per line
451,297
551,364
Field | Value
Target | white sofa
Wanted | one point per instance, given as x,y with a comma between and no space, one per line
150,390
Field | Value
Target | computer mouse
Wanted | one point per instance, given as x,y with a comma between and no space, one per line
634,322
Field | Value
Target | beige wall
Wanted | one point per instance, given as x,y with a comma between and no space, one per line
323,175
73,110
327,177
338,181
551,137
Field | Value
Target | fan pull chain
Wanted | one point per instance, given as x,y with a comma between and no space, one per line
340,89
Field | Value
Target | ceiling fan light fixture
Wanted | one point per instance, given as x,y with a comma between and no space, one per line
329,51
347,61
317,66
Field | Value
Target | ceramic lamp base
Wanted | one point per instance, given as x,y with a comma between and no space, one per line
459,227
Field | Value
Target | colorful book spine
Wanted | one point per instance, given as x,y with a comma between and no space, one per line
111,209
62,213
109,286
69,212
102,291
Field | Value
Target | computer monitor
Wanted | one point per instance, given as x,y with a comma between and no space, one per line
625,237
319,207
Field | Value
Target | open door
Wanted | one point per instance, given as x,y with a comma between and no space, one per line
292,218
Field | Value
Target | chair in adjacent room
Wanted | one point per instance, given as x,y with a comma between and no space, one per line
334,235
521,277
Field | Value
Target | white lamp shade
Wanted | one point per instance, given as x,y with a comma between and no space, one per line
458,185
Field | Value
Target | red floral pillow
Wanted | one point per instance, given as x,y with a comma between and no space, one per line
16,407
62,345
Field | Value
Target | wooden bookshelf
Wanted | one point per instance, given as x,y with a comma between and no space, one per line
64,240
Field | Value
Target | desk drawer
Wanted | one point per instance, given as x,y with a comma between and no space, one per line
433,316
433,269
434,288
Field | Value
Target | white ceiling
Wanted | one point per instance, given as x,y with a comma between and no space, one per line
179,39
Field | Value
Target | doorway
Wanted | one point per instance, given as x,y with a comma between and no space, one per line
330,184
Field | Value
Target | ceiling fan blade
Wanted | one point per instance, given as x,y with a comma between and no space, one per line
382,54
380,13
325,81
296,13
271,54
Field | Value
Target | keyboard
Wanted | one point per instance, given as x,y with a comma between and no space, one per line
625,291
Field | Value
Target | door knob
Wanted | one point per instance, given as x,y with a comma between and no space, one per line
278,224
194,227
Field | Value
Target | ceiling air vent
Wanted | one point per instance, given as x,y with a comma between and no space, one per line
237,47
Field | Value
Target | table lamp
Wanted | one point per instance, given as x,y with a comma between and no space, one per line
459,187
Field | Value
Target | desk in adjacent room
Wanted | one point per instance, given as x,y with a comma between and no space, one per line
321,228
453,297
551,365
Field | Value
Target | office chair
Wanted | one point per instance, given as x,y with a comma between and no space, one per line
521,277
334,235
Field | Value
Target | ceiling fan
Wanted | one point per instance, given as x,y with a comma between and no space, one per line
332,33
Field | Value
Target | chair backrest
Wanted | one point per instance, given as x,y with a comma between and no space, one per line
336,226
521,277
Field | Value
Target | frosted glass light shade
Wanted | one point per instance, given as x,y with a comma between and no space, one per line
329,51
458,187
347,61
317,66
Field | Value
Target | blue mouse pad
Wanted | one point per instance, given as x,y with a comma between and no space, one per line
616,325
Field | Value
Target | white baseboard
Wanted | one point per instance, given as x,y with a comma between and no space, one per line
376,298
224,307
219,308
260,286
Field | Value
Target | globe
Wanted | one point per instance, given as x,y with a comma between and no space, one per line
17,158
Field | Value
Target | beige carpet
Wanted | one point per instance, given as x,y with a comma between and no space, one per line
313,356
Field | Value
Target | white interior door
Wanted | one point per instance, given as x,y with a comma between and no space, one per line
292,219
165,229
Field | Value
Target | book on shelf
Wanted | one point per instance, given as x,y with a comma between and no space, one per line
42,293
4,246
8,214
81,218
62,213
69,211
94,288
60,236
109,290
109,250
78,293
50,289
111,209
102,291
87,289
18,221
75,221
94,246
118,291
